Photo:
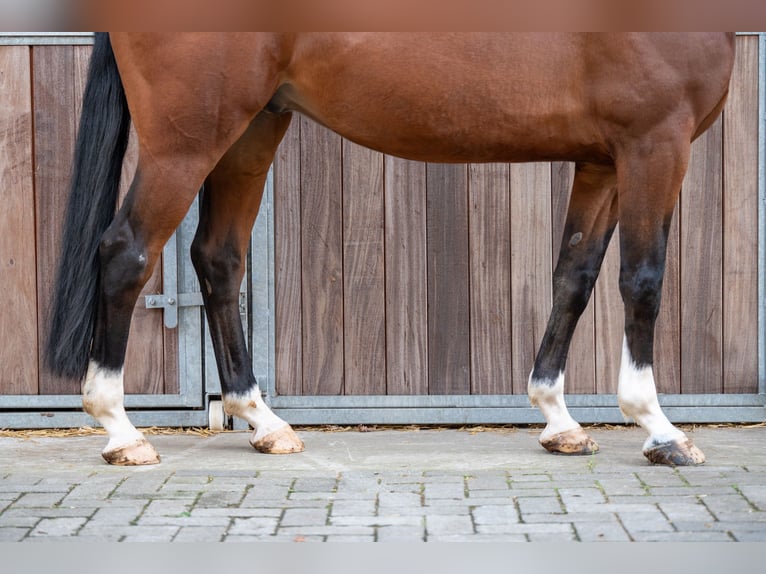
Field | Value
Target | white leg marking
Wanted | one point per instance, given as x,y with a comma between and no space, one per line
252,408
549,397
103,398
637,397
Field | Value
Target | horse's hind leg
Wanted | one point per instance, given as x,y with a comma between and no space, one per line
649,180
591,218
230,204
156,203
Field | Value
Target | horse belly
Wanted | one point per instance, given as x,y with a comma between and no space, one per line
448,98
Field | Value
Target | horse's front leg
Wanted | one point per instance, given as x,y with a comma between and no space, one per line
591,219
649,186
230,204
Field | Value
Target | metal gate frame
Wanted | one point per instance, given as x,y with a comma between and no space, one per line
488,409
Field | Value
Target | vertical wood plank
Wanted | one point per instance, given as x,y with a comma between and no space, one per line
531,264
448,292
406,277
364,326
667,334
490,278
702,253
18,281
54,133
581,362
287,263
740,218
610,319
322,262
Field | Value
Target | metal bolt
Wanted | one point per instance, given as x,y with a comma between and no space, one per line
150,300
171,301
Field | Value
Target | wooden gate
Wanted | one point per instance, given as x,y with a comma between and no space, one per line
427,287
41,83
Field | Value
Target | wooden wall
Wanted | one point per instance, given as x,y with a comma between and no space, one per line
40,94
396,277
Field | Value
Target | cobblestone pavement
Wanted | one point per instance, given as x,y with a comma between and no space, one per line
389,485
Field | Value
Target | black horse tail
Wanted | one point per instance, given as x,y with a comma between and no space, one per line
94,188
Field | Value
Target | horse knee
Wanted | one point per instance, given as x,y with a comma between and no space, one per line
641,290
219,268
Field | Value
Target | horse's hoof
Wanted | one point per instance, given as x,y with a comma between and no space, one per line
138,453
675,453
574,441
282,441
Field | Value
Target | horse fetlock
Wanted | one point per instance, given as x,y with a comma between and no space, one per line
270,433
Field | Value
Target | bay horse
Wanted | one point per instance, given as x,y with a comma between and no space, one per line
213,106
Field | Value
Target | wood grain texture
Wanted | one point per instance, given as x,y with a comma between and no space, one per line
531,264
54,133
610,319
581,362
701,288
288,280
406,277
18,282
667,332
322,260
448,292
740,219
364,324
490,278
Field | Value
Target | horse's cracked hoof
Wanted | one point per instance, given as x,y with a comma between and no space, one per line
138,453
282,441
575,441
675,453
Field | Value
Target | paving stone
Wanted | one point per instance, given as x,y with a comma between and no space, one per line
744,535
682,511
326,530
713,536
755,494
723,503
523,528
440,525
354,507
438,491
13,533
380,521
151,534
401,533
38,500
256,525
645,520
490,482
606,529
304,516
58,526
537,504
115,515
495,514
200,534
